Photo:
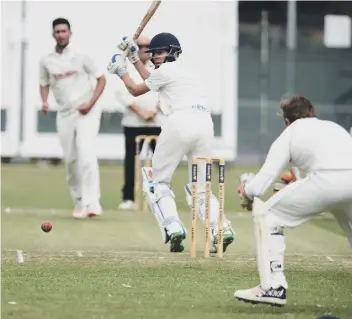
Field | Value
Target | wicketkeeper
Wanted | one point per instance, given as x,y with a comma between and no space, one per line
324,150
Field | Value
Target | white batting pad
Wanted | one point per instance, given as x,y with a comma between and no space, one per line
161,202
262,236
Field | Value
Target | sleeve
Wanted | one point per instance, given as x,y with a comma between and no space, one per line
157,79
90,67
277,160
44,75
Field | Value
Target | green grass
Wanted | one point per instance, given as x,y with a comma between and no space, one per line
45,186
116,266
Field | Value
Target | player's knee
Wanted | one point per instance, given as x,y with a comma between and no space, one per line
274,225
68,160
85,162
163,190
85,153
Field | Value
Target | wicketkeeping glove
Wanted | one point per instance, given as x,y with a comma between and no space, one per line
245,201
286,179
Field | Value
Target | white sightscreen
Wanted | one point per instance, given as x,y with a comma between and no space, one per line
207,31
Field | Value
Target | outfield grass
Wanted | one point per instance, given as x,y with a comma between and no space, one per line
116,266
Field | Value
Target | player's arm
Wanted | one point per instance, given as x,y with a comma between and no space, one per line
91,69
154,82
118,66
142,70
145,114
44,85
44,93
277,160
132,87
129,102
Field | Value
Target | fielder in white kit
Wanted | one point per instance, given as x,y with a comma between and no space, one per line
324,150
69,74
187,130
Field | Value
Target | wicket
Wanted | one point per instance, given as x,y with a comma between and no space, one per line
208,189
138,165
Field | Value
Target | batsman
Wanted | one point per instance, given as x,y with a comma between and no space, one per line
188,130
324,150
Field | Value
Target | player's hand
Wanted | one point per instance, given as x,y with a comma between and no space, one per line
285,179
147,115
133,56
117,65
84,108
128,44
123,44
45,107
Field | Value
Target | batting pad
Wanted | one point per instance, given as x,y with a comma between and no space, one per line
262,236
165,217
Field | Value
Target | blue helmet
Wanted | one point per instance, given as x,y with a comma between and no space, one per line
166,42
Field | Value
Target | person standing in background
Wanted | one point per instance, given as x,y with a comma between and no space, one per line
69,73
141,117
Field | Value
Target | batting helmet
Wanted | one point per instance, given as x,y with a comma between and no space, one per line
166,42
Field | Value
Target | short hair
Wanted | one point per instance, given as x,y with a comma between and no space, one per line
297,107
61,21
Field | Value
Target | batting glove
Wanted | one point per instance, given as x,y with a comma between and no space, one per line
124,43
117,65
128,44
133,56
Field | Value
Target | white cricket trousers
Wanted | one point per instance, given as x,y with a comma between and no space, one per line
188,132
77,134
318,192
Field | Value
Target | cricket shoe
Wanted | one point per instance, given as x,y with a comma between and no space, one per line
176,242
79,212
127,205
257,295
228,238
94,210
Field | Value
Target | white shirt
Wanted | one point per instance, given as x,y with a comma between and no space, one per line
309,144
178,88
69,75
148,100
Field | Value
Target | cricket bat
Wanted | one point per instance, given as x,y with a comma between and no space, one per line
148,15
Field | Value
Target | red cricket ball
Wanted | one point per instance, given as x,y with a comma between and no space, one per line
46,227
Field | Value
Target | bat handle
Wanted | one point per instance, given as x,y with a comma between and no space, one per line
125,53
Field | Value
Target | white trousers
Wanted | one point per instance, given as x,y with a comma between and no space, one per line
296,203
319,192
187,133
77,134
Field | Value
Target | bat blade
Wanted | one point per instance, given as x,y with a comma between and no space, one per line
148,15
